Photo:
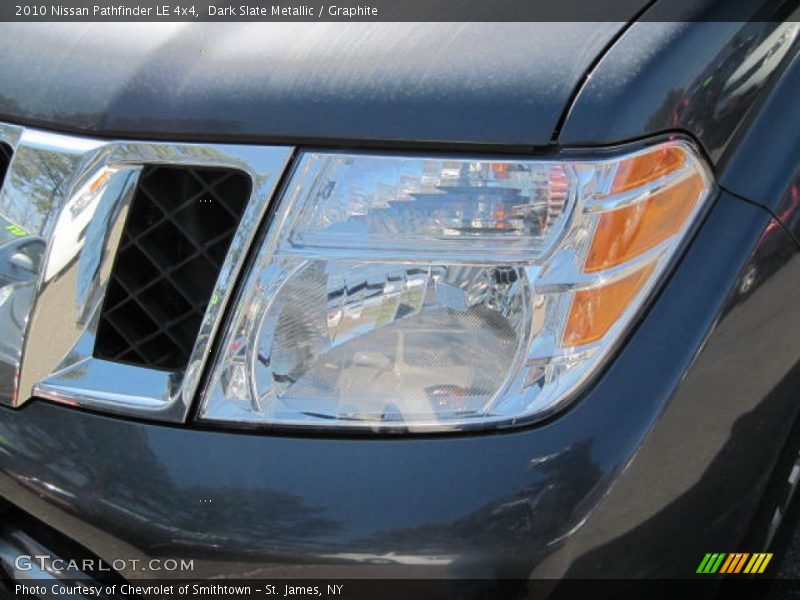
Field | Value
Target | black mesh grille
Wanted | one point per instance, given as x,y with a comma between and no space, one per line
5,159
175,240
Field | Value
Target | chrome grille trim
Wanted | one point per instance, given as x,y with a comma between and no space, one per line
10,134
74,193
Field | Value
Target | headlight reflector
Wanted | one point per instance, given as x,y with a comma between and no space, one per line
404,208
428,293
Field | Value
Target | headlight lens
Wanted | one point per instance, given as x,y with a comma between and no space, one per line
430,293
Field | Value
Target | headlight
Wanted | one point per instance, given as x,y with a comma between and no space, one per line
430,293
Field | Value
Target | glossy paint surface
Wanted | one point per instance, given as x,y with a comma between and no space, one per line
764,164
705,78
678,419
489,83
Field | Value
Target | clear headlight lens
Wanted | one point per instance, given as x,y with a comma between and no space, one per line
444,293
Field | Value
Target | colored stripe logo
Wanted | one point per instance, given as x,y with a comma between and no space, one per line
734,562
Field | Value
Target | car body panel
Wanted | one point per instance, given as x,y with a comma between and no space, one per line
680,411
764,164
702,77
481,83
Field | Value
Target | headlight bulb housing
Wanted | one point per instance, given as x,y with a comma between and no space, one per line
426,293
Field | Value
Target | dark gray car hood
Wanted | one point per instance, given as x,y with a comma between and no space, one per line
485,83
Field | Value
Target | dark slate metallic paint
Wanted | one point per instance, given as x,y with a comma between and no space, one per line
764,165
668,447
680,76
490,83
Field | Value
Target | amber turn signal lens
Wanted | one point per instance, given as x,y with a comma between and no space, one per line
627,232
642,169
595,310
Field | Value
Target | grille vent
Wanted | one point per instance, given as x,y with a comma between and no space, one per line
175,239
5,160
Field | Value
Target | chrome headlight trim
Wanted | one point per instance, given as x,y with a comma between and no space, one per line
234,396
56,362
